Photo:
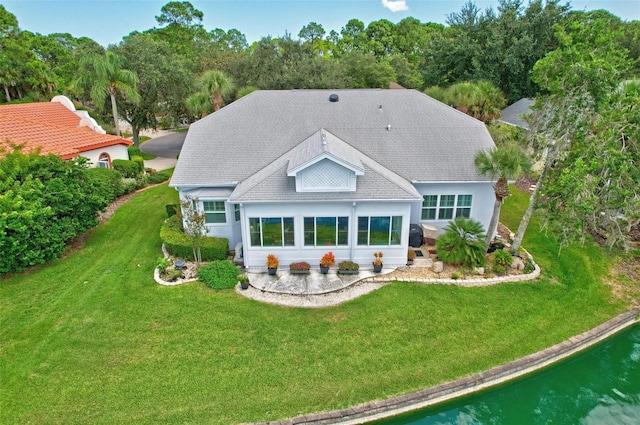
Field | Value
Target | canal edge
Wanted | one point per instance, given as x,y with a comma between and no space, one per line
381,409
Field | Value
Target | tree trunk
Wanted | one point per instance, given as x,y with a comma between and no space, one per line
526,218
493,224
136,135
114,110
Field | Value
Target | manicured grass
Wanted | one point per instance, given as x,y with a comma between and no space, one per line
92,339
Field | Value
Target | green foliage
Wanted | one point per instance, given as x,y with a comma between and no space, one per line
502,257
139,162
162,263
455,276
348,266
135,151
219,274
128,169
108,181
44,202
462,243
179,245
529,267
158,177
172,209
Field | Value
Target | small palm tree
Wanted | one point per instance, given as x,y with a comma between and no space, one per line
503,163
107,78
462,243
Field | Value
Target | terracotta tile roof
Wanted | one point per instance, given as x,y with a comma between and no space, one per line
51,127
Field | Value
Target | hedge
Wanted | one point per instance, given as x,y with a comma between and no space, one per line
178,243
128,169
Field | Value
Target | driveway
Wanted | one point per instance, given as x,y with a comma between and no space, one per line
165,146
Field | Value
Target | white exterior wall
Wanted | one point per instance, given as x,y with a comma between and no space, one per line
481,204
394,255
230,230
115,152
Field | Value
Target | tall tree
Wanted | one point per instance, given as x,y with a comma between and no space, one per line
217,84
503,163
108,78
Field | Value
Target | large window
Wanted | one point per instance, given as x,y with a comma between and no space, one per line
445,207
271,231
381,230
326,231
214,212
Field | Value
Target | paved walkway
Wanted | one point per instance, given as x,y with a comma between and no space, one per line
312,290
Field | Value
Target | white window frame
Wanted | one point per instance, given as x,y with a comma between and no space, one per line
216,211
457,210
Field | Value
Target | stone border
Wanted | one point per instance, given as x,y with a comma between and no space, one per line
380,409
156,274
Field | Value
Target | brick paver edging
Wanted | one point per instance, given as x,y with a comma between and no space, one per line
380,409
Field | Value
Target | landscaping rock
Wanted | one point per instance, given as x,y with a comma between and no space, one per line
478,270
517,263
438,266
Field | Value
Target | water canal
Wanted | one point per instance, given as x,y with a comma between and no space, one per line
597,387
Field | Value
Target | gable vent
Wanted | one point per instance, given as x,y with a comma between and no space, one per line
334,98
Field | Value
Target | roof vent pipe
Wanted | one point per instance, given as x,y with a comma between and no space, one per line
323,138
388,127
333,98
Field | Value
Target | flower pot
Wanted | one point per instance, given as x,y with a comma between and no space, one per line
244,285
324,270
299,271
272,271
377,268
347,271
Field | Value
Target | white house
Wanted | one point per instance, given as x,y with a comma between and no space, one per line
298,173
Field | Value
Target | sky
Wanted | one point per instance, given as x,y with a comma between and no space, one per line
108,21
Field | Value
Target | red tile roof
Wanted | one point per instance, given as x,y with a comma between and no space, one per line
51,127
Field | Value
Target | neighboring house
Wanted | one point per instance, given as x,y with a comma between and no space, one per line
298,173
513,114
56,127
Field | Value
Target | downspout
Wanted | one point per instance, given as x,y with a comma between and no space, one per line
354,233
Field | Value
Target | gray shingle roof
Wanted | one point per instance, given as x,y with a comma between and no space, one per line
426,141
272,183
513,113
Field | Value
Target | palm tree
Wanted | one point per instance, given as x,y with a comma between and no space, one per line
199,104
503,163
217,84
106,77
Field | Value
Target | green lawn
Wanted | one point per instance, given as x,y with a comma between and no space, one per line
93,339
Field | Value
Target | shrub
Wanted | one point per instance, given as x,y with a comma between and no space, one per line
158,177
462,243
499,269
136,151
108,182
128,169
455,276
348,266
272,261
328,260
162,263
502,258
129,185
139,161
172,209
178,243
301,266
529,267
219,274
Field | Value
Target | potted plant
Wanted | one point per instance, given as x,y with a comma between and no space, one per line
244,281
272,264
377,262
299,268
327,260
411,255
348,267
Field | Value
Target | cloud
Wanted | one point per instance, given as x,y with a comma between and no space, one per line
395,5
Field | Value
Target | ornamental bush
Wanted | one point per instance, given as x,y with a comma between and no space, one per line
502,258
128,169
462,243
44,202
179,245
219,274
108,182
